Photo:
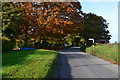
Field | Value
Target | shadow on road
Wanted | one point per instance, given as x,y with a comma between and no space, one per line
72,49
79,56
63,70
76,64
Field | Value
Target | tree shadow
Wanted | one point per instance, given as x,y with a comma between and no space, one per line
11,58
63,70
74,52
80,56
72,49
90,65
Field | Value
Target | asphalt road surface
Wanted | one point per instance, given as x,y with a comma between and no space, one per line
76,64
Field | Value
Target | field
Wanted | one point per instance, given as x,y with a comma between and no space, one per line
109,52
29,63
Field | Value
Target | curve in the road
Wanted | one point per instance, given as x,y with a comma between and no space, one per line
76,64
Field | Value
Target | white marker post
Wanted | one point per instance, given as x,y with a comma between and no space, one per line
92,40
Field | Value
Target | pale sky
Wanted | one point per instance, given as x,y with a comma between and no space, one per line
108,10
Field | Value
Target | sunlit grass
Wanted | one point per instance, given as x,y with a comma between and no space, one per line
29,63
107,51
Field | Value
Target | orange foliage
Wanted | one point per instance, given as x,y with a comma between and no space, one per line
54,19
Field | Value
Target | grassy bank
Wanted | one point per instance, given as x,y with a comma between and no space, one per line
106,51
29,63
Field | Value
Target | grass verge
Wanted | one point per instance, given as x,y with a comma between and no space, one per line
29,63
107,51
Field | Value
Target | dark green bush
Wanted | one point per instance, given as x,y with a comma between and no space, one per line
19,43
7,45
83,47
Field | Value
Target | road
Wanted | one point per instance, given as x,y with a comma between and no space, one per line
76,64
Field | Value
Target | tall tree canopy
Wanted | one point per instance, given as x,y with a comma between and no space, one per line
95,27
51,19
11,20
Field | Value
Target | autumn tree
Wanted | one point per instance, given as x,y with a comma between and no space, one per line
52,19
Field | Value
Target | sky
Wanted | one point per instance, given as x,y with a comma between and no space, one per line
109,11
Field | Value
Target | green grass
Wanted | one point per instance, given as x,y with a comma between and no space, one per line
106,51
29,63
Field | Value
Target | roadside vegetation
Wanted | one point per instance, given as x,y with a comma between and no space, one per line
107,51
38,63
41,26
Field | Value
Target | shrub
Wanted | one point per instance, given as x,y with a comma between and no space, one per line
83,46
19,43
7,45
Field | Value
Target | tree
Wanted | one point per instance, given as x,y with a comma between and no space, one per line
95,27
11,20
51,21
51,18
